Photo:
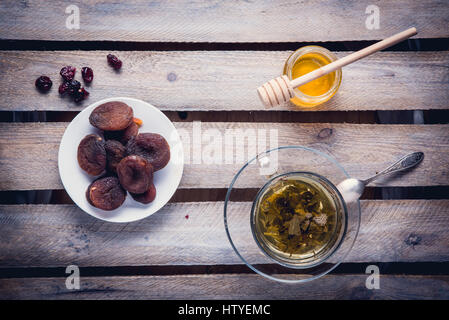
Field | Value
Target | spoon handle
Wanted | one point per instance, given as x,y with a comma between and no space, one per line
404,163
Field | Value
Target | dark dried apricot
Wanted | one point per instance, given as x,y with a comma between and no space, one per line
147,196
115,152
151,146
113,135
106,193
131,132
135,174
123,135
111,116
92,154
88,194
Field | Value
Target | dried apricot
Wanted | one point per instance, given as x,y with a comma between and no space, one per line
112,116
88,194
92,154
106,193
147,196
135,174
123,135
131,132
115,152
151,146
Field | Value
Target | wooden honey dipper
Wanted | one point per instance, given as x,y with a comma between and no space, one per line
280,90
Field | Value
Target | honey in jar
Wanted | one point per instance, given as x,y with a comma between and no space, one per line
305,60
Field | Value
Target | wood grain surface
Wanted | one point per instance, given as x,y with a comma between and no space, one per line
226,286
29,152
222,80
60,235
220,21
190,237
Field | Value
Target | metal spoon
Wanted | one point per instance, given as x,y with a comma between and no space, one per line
351,189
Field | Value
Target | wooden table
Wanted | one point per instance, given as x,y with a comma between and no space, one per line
202,61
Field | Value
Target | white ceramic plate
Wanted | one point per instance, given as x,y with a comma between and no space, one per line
76,181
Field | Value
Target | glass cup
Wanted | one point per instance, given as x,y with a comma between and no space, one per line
260,173
320,56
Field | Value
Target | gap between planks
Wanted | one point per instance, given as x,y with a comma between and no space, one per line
390,268
406,116
203,195
415,44
360,117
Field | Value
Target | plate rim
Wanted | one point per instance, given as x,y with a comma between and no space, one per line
180,157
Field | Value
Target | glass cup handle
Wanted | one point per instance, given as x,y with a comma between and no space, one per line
267,167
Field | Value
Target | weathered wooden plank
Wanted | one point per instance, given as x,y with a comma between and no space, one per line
226,286
29,152
223,80
60,235
199,21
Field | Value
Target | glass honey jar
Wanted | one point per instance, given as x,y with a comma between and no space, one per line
305,60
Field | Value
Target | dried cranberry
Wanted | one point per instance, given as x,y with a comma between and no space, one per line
63,88
114,62
80,95
43,83
88,74
73,86
68,73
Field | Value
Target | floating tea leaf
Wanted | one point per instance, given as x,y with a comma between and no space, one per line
296,217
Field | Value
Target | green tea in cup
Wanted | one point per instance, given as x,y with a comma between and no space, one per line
298,219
